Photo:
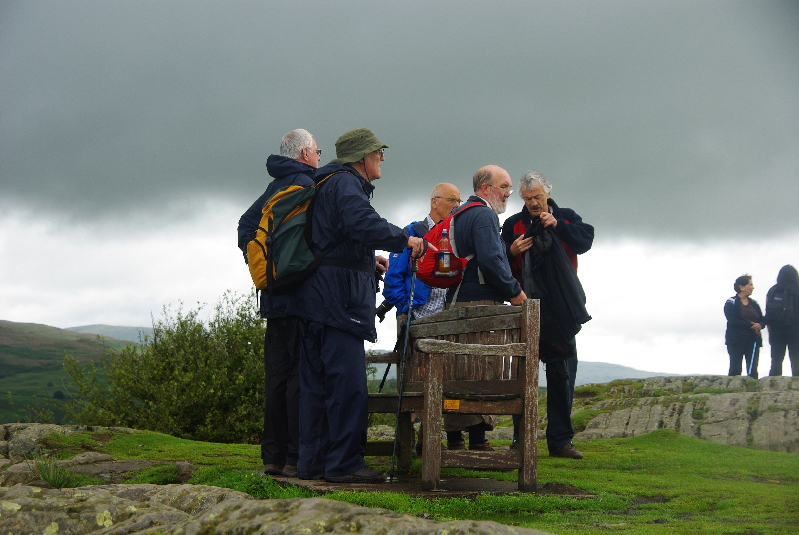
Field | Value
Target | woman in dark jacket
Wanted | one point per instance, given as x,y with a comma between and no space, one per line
783,320
744,322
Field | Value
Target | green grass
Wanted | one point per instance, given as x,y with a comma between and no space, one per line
657,483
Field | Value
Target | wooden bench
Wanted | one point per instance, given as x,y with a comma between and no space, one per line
471,360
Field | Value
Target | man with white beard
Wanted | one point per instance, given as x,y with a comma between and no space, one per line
487,279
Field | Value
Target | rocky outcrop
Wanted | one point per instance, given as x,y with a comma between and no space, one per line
193,509
739,411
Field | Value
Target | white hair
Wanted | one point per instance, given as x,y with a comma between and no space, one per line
530,178
294,142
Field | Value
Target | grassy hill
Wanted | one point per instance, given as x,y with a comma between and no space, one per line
131,334
32,363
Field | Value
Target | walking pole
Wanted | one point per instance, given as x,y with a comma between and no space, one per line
752,360
403,360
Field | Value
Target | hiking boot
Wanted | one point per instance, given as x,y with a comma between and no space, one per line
273,469
459,445
515,446
485,446
567,451
290,470
364,475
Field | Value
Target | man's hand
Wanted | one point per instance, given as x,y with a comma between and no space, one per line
548,220
416,245
381,264
520,245
517,301
757,328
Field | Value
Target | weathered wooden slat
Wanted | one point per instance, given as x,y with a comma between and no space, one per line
497,323
510,406
383,358
443,346
468,312
508,459
488,386
388,403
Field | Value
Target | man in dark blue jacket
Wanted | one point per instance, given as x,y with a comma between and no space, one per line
296,165
337,310
577,238
487,279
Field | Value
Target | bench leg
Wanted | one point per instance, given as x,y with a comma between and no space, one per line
405,441
431,423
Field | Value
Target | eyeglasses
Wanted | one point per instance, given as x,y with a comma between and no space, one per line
318,151
450,199
506,190
381,152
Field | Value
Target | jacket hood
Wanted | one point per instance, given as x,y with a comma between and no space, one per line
280,166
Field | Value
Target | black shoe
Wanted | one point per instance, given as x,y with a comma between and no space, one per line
290,470
567,451
273,469
364,475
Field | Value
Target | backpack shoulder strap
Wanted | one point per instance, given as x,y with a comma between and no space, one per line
420,227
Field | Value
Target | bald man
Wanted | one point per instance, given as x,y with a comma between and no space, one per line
426,300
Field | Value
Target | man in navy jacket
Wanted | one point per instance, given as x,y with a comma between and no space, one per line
337,310
296,165
577,238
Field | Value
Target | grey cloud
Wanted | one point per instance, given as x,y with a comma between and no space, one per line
651,119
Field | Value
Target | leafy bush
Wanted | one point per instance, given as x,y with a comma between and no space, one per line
202,381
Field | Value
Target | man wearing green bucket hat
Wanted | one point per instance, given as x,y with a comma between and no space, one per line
336,307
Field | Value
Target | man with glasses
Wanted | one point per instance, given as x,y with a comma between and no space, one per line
296,164
336,307
577,238
426,300
487,278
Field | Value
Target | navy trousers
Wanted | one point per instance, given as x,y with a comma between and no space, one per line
333,401
782,338
740,351
281,436
560,394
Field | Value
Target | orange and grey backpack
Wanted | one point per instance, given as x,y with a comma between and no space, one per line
279,255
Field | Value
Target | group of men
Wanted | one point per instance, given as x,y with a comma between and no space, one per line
315,412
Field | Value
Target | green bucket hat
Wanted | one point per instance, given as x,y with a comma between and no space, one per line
353,145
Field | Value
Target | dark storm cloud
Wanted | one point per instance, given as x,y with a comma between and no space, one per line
653,119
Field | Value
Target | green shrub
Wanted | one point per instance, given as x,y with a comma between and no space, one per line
195,380
58,477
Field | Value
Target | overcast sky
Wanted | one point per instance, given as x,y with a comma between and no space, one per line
134,134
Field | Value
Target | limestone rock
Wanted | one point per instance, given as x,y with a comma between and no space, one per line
192,509
728,410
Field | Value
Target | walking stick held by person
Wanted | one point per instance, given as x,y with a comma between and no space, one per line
403,360
752,364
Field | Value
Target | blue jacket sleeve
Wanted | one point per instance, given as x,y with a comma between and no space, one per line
397,281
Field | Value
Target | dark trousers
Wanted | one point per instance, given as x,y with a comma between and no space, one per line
781,338
561,375
281,436
740,351
333,401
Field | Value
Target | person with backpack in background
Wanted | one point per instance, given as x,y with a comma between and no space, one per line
336,307
744,323
486,279
397,284
295,165
543,242
782,318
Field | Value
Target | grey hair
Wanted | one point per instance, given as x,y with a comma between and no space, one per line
482,176
531,177
294,142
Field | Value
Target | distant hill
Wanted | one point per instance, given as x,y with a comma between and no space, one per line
131,334
26,347
32,364
587,372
